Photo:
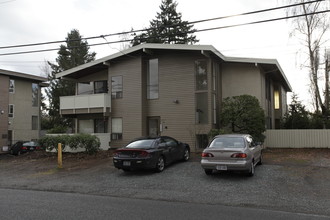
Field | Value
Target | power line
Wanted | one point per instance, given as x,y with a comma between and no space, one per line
142,30
201,30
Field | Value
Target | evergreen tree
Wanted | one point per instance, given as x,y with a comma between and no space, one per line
297,116
74,53
167,27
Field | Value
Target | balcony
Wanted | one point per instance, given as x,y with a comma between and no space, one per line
86,104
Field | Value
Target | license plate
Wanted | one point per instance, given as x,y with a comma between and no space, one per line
127,163
221,167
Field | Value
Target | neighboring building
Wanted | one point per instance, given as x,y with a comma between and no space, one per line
19,107
167,89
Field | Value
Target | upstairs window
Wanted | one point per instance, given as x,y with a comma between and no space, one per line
35,92
201,75
85,88
101,86
117,87
152,79
35,123
12,86
11,111
276,99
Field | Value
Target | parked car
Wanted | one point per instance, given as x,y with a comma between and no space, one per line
32,145
22,147
150,153
232,152
18,148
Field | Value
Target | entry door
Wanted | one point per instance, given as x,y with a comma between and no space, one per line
154,126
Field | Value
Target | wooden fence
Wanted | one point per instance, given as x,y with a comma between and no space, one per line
297,138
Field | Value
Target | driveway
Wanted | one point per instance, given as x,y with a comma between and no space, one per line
284,182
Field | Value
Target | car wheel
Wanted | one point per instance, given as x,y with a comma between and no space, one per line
160,166
18,153
186,154
251,171
260,160
208,171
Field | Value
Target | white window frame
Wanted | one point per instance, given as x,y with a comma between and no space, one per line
12,90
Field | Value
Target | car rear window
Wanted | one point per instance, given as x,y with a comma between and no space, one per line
142,144
227,142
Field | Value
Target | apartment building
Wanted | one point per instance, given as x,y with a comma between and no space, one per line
167,89
19,107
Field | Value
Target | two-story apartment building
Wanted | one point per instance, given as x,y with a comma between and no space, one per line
166,89
19,107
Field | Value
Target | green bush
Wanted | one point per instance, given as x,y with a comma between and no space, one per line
58,130
214,132
90,143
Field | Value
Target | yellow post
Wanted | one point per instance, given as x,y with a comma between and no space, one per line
59,155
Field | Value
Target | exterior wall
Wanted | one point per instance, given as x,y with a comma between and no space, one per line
297,138
21,123
239,79
4,102
130,107
177,82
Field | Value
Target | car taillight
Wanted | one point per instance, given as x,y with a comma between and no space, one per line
144,154
207,155
239,155
116,154
24,148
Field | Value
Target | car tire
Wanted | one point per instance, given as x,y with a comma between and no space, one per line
18,153
186,154
160,165
251,170
208,171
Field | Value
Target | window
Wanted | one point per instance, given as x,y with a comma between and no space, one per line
201,75
117,87
85,126
12,86
85,88
152,79
11,111
100,126
100,86
117,128
276,99
201,108
214,109
35,123
35,92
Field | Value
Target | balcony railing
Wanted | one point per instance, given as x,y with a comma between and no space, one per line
84,104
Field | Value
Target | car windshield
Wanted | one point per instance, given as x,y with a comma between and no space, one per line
227,142
149,143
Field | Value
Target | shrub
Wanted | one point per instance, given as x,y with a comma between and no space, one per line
90,143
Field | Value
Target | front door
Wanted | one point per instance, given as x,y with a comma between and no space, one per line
153,126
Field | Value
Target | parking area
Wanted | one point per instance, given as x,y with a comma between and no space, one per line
289,180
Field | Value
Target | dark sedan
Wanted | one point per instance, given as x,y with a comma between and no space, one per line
150,153
18,148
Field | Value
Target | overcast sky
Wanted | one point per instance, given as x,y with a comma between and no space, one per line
34,21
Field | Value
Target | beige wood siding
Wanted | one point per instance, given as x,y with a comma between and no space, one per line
4,102
129,108
177,82
21,124
239,79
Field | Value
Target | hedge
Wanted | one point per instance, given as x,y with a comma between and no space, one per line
90,143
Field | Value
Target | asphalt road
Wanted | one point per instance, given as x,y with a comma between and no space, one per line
279,188
26,204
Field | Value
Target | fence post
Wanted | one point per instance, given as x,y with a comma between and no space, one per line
59,155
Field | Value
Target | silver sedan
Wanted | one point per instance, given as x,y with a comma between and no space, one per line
232,152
